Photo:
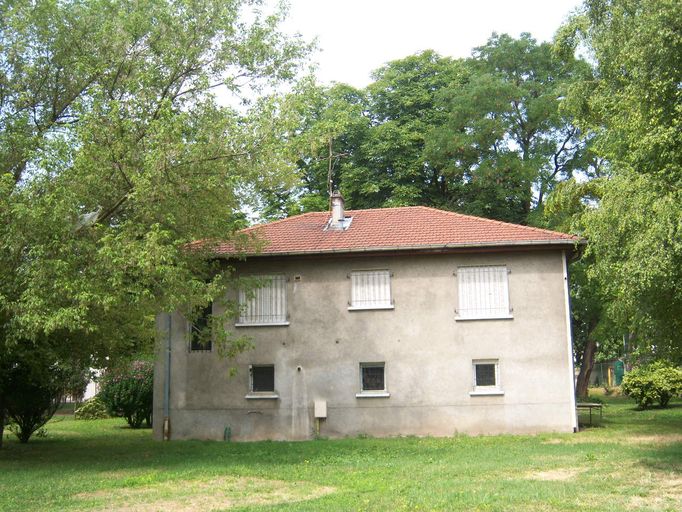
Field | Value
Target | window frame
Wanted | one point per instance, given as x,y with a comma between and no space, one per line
508,315
372,393
243,299
193,332
493,390
354,306
262,395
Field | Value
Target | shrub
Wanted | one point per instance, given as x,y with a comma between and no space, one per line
92,409
128,391
658,382
37,390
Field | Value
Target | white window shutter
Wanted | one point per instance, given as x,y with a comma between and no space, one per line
483,292
268,303
370,289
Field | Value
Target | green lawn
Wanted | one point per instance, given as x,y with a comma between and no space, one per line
633,461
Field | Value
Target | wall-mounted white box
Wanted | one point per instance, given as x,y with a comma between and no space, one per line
320,408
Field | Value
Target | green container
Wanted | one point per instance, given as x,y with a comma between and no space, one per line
619,371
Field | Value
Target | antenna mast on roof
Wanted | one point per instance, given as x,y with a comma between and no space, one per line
331,161
330,170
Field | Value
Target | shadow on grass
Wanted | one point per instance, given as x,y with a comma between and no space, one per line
663,457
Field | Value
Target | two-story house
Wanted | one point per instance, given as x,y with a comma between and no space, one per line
397,321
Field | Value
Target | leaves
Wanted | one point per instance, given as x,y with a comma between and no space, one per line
116,151
632,109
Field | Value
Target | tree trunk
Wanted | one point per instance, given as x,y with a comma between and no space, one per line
586,368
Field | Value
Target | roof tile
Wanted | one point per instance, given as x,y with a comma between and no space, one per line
412,227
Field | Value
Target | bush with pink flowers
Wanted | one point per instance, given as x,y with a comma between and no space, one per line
128,390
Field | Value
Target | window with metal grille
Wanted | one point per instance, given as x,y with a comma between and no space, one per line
486,375
262,378
266,304
372,377
370,289
483,292
200,331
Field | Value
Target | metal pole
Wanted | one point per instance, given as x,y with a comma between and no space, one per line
166,379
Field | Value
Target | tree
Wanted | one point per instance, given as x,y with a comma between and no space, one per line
633,108
115,153
403,106
594,332
506,141
371,141
37,380
485,135
332,125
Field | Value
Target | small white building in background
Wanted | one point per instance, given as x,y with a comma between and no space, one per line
384,322
93,385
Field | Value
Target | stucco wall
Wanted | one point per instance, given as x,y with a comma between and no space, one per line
427,353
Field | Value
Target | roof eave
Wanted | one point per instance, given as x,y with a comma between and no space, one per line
415,248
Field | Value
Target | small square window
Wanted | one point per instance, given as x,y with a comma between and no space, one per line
372,377
262,379
486,377
200,331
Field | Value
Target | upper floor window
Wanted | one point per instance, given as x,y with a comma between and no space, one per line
266,304
483,292
200,332
370,289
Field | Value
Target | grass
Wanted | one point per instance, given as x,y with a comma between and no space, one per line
632,461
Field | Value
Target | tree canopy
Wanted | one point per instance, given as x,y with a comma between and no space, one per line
633,107
118,147
484,135
506,141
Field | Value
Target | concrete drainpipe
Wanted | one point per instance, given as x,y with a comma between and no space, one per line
166,380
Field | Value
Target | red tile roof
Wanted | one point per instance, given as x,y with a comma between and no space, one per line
405,228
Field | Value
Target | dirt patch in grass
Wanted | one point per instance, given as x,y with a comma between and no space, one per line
200,495
624,440
654,439
666,493
555,475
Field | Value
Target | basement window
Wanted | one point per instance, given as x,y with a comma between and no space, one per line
262,381
373,381
486,377
200,331
370,289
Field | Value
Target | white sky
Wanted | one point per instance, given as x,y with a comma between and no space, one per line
358,36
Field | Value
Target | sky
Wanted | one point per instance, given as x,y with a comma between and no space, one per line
356,37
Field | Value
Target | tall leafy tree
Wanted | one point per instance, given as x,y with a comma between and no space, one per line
373,140
115,153
506,141
403,107
327,142
485,135
595,334
634,108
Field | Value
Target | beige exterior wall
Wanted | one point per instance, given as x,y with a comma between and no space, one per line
427,353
